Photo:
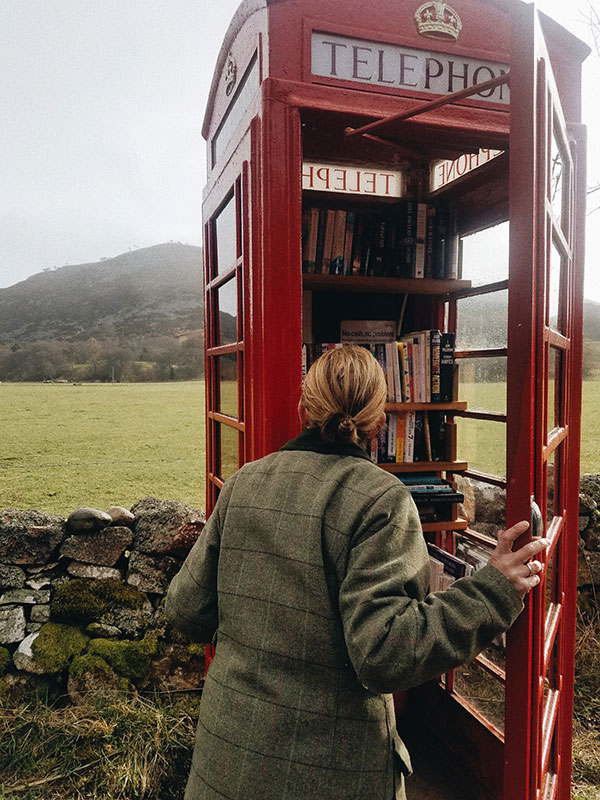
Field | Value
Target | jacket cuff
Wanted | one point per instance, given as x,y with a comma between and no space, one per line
502,588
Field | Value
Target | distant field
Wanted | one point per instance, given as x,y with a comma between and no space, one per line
64,446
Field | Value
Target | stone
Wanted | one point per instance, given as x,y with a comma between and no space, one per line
152,573
591,539
80,570
11,577
120,515
583,523
33,626
104,548
40,614
130,621
49,650
38,583
24,658
87,520
181,668
589,485
12,624
90,676
587,504
158,526
29,537
27,597
45,568
102,629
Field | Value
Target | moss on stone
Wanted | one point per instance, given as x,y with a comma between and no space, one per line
56,645
92,671
87,600
129,659
5,660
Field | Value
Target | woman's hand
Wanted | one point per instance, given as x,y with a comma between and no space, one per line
515,565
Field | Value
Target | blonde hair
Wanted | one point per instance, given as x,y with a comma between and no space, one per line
344,395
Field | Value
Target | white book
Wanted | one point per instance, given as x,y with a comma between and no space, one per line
409,437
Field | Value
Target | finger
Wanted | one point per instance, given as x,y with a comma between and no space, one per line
510,535
531,549
533,568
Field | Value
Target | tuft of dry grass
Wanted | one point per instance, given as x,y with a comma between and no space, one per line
133,748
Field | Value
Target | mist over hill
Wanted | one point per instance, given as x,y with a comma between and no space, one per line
137,316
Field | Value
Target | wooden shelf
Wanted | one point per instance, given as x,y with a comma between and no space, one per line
365,283
426,466
454,406
445,525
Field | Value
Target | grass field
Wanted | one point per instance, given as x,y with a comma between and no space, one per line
63,446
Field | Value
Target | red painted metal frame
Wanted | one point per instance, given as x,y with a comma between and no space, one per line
266,164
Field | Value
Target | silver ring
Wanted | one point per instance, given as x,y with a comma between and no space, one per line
528,565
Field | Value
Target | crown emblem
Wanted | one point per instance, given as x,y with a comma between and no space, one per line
438,21
230,75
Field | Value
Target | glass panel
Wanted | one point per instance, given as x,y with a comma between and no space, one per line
554,385
485,255
227,370
482,321
555,290
482,690
227,305
228,442
482,445
484,507
482,384
554,499
225,227
557,180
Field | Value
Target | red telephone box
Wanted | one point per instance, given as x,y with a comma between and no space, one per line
472,107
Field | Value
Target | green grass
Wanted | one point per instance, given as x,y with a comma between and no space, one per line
64,446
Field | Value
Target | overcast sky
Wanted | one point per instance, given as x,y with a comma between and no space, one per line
100,142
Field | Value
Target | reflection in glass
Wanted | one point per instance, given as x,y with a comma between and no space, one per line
482,321
554,498
557,177
554,389
228,443
482,383
227,306
226,237
555,289
484,507
485,255
482,445
482,690
227,370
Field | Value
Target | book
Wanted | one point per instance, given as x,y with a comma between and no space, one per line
361,331
429,241
400,436
420,233
337,246
310,252
453,565
435,351
349,236
328,241
409,436
447,367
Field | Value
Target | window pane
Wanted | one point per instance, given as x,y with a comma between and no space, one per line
554,384
228,443
482,444
226,237
485,255
227,309
555,290
482,690
482,321
227,369
557,179
482,384
484,507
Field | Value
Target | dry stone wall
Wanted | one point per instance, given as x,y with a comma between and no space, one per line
81,599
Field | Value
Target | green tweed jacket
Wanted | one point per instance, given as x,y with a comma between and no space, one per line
312,572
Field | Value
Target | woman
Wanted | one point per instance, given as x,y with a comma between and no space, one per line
313,573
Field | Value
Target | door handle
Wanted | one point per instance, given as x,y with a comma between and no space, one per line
537,521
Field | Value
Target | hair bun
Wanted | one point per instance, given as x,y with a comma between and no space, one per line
346,427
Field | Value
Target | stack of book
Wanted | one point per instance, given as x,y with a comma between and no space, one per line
419,368
433,496
445,568
408,240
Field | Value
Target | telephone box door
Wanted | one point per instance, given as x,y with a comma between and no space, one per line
543,407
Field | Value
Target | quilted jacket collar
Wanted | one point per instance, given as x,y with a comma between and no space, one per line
310,439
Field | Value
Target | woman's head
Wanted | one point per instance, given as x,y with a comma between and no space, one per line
344,395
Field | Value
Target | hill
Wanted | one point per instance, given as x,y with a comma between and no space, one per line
154,290
138,316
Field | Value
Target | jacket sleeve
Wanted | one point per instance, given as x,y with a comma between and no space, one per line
191,604
397,635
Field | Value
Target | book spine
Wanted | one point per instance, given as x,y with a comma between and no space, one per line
440,242
429,241
350,223
400,434
357,243
313,232
391,436
421,229
328,242
337,248
409,240
453,247
435,366
390,351
447,367
320,239
409,437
